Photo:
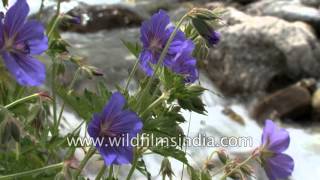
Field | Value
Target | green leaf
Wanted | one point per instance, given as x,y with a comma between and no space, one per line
171,152
15,131
141,166
88,103
5,132
133,47
193,104
194,174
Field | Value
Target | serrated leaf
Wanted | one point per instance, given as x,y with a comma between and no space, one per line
133,47
141,166
171,152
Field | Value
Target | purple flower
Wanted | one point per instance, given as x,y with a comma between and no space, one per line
154,36
20,40
184,64
274,141
112,124
214,38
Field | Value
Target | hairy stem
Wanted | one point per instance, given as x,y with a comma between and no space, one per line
22,100
133,71
83,163
110,172
155,103
101,172
26,173
133,167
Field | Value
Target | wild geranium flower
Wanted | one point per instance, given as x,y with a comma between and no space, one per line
20,40
275,141
113,123
154,36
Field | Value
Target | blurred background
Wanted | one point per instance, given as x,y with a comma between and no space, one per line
267,65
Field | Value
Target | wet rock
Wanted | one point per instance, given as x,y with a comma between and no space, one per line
103,17
315,3
293,102
261,54
288,10
244,1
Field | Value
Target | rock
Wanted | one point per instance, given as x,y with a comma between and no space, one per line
292,103
288,10
261,54
315,3
103,17
244,2
316,105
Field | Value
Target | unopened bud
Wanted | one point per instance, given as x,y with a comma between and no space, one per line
166,169
223,156
45,94
247,170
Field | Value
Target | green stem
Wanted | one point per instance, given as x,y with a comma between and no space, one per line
238,166
22,100
110,173
155,103
41,9
54,98
56,20
84,161
185,150
75,77
101,172
26,173
133,167
133,71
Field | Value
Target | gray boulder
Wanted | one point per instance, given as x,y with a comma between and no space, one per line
262,54
104,17
289,10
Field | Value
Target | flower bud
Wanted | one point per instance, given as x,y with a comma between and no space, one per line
246,169
166,169
196,89
223,156
205,29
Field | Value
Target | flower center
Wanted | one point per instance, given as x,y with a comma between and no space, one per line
104,130
11,45
155,45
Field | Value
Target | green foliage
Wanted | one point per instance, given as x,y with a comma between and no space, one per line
188,96
86,104
141,166
198,174
171,152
